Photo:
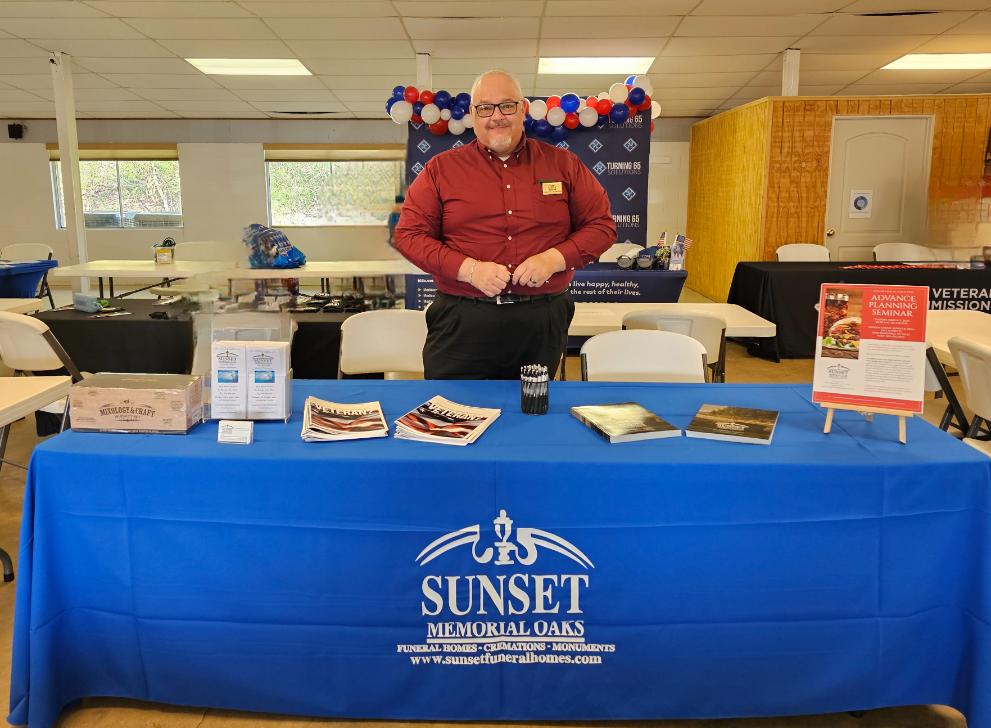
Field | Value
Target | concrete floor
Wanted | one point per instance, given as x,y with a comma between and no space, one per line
106,713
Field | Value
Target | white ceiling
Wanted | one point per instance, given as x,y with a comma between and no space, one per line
711,54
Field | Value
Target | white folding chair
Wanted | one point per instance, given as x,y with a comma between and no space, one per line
895,252
803,252
973,362
389,341
707,329
612,253
643,356
31,251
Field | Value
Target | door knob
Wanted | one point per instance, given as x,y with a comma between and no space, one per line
830,233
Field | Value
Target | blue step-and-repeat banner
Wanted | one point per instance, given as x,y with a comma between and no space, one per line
617,154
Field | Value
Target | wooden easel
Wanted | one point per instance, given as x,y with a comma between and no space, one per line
868,414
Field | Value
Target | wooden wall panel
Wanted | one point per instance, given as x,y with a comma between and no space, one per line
726,187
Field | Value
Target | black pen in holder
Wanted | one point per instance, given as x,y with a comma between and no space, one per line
533,389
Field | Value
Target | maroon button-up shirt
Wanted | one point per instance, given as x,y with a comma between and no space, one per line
468,203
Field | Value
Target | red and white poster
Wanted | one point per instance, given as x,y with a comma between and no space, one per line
871,346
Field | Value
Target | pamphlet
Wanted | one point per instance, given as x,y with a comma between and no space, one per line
733,424
871,347
443,421
624,422
325,421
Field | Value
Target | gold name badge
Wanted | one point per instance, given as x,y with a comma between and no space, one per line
552,188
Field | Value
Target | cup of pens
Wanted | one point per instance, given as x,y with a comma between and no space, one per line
533,389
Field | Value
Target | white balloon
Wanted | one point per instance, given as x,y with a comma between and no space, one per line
655,109
467,120
555,116
456,127
603,95
617,93
445,114
429,114
538,109
644,83
588,116
401,112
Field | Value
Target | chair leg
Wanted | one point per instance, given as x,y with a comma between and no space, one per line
8,566
972,431
4,435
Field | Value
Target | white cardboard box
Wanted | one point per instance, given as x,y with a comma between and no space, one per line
269,396
228,381
166,403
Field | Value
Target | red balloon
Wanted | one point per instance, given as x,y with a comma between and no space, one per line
603,106
629,86
411,94
646,103
652,126
571,120
416,119
553,101
631,107
427,97
439,127
592,102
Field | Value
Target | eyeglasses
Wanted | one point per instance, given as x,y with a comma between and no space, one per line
508,108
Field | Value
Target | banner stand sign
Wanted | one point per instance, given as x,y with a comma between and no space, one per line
871,351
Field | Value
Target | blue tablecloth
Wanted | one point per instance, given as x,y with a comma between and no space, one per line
822,573
21,279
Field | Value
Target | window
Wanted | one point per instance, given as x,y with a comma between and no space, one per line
125,193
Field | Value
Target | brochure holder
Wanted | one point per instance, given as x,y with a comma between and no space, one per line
868,414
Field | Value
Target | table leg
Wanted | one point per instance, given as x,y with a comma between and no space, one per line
111,279
952,403
100,279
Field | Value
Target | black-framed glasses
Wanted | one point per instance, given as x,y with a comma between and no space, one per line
508,108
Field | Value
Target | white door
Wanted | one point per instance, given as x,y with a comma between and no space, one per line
878,183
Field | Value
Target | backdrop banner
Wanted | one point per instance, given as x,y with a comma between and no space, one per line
616,154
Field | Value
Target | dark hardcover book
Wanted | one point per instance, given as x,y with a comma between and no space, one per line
624,422
734,424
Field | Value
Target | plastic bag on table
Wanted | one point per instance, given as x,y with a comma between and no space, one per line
270,248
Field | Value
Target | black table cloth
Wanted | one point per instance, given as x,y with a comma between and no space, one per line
786,293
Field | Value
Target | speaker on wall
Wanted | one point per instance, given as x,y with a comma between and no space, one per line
15,131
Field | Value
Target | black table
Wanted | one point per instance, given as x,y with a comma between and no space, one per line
786,293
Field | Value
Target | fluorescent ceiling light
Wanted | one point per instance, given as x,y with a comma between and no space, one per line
250,66
940,61
608,65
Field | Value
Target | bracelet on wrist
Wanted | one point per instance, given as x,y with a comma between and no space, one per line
472,272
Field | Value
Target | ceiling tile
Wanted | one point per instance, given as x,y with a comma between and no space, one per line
955,44
540,89
383,83
366,107
154,80
227,48
284,106
400,68
476,66
325,29
443,9
981,77
618,8
206,106
331,115
726,46
369,95
712,64
188,94
622,47
274,82
27,109
8,95
977,23
893,89
139,106
117,114
767,7
867,44
42,9
609,27
686,108
19,49
154,66
684,94
892,6
215,114
835,62
104,48
265,95
103,94
698,80
25,66
169,9
970,88
203,28
77,28
565,82
899,77
319,9
481,48
43,81
888,25
811,77
754,26
480,28
351,49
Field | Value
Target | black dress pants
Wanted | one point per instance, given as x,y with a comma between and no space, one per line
469,339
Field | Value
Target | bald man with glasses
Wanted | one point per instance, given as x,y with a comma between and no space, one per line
501,224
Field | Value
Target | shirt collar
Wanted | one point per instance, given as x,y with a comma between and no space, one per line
518,150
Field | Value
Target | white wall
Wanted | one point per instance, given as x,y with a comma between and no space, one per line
667,189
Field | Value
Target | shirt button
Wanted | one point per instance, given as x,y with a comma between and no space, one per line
505,165
509,187
509,212
509,237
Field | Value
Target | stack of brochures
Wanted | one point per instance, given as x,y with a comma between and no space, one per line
441,420
327,421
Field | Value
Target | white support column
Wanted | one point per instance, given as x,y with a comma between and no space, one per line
789,72
68,145
424,75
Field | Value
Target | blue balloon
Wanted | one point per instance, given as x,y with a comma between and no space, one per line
527,124
457,112
417,107
542,128
389,103
603,119
559,134
569,102
442,99
619,113
463,100
398,92
629,80
637,95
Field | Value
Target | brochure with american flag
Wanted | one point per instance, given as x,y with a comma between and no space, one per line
441,420
325,421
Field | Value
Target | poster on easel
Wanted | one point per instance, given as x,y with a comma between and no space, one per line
871,348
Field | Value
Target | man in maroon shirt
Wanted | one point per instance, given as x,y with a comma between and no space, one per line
501,223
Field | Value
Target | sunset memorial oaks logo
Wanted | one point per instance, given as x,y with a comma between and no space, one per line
512,614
